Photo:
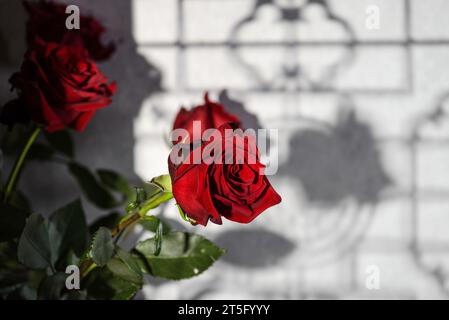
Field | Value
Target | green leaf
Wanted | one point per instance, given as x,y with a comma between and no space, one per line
182,256
108,221
93,190
12,222
184,216
24,292
181,213
151,190
103,284
123,290
11,279
75,295
73,258
158,238
102,247
163,182
124,272
116,182
129,260
67,229
151,223
34,245
62,142
140,195
51,287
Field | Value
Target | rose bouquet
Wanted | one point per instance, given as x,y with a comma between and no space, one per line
214,172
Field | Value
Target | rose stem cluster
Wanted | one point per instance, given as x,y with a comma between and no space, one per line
87,264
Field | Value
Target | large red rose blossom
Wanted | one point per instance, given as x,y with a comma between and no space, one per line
58,86
210,114
47,20
238,191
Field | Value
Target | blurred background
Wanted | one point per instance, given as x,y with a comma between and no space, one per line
359,91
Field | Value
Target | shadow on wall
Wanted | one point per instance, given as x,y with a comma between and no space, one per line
339,163
249,120
108,141
257,248
112,129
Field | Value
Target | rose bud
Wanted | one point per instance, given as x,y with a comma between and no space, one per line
58,86
217,187
210,115
47,20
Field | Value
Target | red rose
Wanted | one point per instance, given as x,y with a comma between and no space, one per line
58,86
210,114
47,20
238,191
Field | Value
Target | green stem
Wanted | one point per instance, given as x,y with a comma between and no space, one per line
132,219
12,180
88,265
154,203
